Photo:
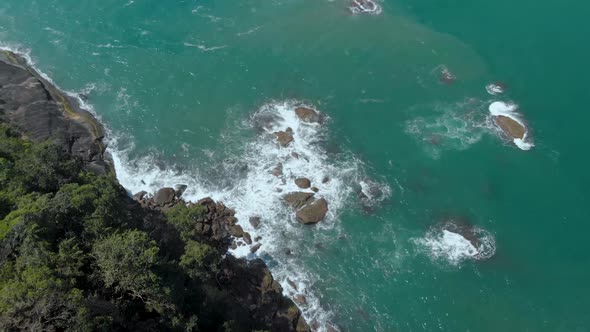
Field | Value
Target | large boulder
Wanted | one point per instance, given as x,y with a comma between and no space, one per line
297,199
303,183
313,212
165,196
307,115
511,127
284,137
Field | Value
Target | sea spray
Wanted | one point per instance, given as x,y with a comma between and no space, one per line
453,244
245,182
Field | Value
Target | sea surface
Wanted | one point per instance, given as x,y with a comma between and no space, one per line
437,222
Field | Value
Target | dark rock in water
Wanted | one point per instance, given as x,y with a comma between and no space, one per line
164,196
315,189
247,238
236,231
258,238
42,112
307,115
140,195
234,246
278,170
284,137
297,199
295,155
255,221
313,212
303,183
180,189
255,247
326,179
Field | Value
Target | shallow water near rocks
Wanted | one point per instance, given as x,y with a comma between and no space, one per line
191,92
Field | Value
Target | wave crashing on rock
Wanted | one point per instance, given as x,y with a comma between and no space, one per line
454,244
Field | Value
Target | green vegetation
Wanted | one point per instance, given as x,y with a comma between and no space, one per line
77,254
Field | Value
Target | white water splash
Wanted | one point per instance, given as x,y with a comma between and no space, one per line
454,248
510,110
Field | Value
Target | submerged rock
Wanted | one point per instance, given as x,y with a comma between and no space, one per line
307,115
313,212
165,196
303,183
255,221
278,170
510,126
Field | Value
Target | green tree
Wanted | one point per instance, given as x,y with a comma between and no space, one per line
127,263
199,260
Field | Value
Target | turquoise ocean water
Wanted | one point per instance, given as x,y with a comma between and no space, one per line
186,88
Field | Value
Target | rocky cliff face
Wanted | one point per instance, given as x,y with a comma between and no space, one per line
43,113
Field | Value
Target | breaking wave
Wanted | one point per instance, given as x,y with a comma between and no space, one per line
244,181
455,244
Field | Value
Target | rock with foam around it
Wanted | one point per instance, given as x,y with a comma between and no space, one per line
313,212
511,127
297,199
303,183
284,137
307,115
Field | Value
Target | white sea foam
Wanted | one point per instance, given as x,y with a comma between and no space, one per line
256,192
365,6
246,184
445,126
510,110
448,245
495,89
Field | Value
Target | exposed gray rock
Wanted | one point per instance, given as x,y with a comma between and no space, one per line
42,112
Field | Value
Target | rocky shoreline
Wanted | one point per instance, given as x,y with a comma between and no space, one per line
41,112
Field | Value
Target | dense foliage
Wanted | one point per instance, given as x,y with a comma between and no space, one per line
77,254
